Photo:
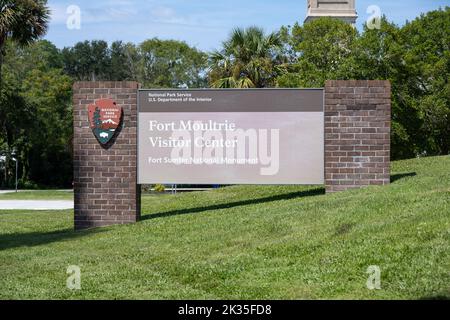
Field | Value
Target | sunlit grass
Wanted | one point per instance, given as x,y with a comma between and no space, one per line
246,242
38,195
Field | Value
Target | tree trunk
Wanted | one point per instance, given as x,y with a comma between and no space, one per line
1,65
1,75
2,42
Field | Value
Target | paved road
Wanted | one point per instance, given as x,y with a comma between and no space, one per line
31,190
36,204
6,191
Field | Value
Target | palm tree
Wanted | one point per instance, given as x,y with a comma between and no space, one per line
23,21
248,59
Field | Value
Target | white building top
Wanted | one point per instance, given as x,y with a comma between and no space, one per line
341,9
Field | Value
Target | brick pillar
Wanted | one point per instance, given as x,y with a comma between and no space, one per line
105,179
357,134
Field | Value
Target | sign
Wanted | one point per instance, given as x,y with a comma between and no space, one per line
104,119
231,136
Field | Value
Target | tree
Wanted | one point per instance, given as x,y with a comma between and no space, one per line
415,58
379,54
124,60
426,45
23,21
88,61
154,63
49,93
319,51
171,64
97,118
36,114
248,59
15,115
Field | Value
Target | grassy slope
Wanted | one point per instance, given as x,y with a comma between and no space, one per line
38,195
247,242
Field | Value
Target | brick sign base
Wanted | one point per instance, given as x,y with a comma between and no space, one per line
357,134
357,147
105,178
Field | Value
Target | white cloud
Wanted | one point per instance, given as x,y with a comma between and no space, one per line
113,11
163,14
58,14
108,14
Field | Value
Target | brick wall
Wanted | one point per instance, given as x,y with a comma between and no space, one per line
105,179
357,134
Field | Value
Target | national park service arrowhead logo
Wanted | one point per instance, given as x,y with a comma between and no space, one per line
104,118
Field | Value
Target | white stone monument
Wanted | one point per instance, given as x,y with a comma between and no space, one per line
340,9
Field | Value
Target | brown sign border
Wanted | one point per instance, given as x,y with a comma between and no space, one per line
249,101
310,107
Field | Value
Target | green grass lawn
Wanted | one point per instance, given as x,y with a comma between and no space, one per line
246,242
38,195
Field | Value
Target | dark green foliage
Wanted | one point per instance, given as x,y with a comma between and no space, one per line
36,115
123,61
426,42
15,115
87,61
154,63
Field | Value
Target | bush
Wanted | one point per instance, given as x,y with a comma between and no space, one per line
159,188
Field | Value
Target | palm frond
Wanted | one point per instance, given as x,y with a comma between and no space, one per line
245,83
224,83
7,18
247,59
24,20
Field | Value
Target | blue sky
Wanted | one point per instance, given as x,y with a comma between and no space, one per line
201,23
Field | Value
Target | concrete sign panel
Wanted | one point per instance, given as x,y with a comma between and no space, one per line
231,136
